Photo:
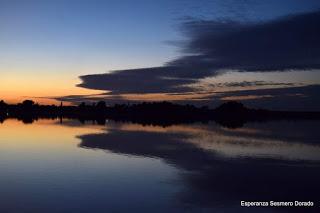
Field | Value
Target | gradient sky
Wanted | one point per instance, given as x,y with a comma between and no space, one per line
46,45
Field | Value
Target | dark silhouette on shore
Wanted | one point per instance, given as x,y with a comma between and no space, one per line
230,114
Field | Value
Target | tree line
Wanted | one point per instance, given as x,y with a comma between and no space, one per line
229,114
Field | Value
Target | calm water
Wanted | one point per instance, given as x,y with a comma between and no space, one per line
121,167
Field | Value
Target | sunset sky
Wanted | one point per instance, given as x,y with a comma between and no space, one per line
264,53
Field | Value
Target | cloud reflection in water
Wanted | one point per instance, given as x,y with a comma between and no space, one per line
219,166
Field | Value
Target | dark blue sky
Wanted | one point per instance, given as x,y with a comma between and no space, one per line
105,32
47,43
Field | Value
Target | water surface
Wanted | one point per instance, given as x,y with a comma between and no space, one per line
48,166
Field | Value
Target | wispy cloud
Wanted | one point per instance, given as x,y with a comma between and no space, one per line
286,98
303,97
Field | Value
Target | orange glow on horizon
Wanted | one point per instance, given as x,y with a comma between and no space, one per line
42,90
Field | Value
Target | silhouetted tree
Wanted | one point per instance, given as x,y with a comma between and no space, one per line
101,105
3,105
82,105
28,103
231,107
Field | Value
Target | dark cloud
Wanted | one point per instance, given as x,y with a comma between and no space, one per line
144,80
290,42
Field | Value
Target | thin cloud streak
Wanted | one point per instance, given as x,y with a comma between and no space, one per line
300,98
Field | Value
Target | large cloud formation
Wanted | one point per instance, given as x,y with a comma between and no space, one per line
291,42
150,80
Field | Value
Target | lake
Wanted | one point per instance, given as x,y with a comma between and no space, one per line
68,166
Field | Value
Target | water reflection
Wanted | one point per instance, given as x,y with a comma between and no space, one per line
222,166
196,167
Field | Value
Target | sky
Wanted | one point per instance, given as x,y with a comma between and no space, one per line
264,53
